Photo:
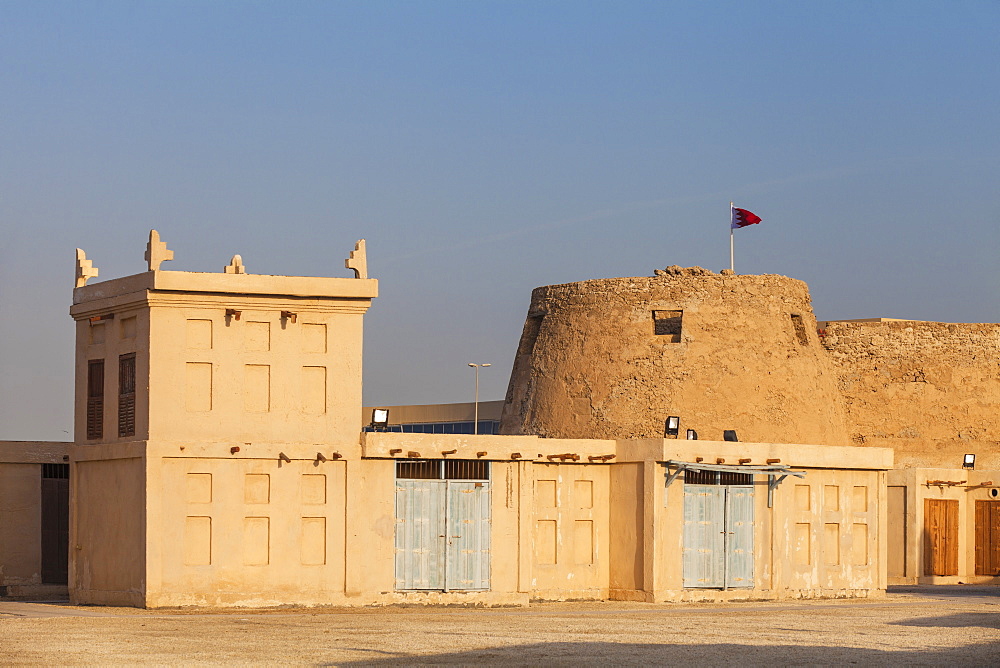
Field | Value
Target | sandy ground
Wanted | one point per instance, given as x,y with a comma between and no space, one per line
911,626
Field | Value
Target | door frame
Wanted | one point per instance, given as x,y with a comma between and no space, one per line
729,533
445,548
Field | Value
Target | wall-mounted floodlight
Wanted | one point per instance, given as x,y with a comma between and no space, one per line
729,435
692,435
380,419
969,461
673,426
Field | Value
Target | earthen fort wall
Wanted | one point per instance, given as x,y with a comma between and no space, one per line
612,358
929,390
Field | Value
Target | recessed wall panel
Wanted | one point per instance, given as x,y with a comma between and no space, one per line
583,541
802,500
257,336
198,488
313,541
831,497
314,488
257,388
197,541
256,541
859,544
802,555
199,334
313,338
860,500
545,493
198,386
546,540
314,390
831,544
128,328
257,488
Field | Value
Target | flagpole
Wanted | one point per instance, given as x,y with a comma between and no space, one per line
732,267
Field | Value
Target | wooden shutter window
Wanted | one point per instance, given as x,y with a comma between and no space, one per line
126,395
95,399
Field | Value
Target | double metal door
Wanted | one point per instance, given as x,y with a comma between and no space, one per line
442,535
718,536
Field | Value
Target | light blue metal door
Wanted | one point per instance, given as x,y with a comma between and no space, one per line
442,535
739,536
718,536
468,560
703,550
420,534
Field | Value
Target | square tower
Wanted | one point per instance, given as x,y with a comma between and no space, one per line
176,369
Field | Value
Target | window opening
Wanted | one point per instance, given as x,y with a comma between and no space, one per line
699,477
418,470
126,395
800,329
55,471
443,469
668,324
95,399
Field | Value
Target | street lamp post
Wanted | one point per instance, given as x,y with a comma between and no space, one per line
475,425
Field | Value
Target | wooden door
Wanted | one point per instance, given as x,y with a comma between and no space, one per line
55,526
987,537
940,537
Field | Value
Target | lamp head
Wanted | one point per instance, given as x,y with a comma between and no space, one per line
380,417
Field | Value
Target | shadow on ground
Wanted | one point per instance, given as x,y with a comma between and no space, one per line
602,653
986,620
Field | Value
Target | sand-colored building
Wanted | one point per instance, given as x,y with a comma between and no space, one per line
218,461
34,523
613,358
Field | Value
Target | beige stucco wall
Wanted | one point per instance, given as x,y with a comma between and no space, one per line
21,508
20,524
824,535
107,525
589,364
275,524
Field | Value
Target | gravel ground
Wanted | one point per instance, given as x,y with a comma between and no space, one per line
925,626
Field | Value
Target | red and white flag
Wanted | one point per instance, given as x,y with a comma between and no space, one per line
742,218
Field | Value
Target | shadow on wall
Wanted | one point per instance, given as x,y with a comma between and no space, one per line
575,653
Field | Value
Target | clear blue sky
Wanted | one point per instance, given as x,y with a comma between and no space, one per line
484,149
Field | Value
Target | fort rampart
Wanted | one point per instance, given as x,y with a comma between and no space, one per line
613,358
929,390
